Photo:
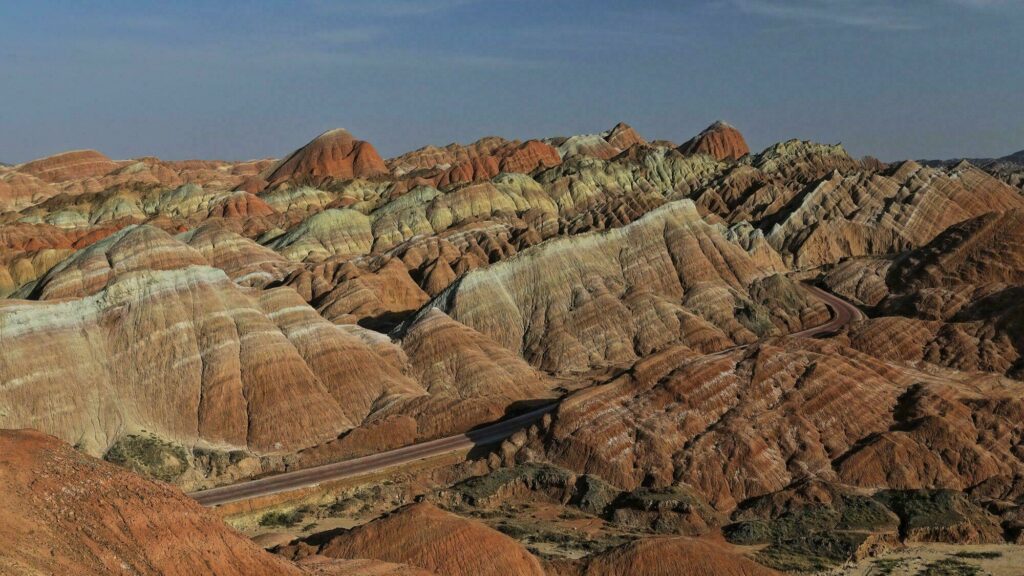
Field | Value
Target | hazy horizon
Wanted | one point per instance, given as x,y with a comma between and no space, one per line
911,79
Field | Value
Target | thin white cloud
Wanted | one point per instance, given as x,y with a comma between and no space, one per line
348,35
392,8
980,3
876,15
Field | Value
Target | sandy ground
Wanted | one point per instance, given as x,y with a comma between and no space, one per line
911,560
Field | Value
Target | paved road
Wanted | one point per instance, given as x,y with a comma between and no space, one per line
842,314
307,477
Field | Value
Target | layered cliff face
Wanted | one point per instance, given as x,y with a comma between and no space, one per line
72,165
138,248
481,160
19,190
469,377
603,146
80,172
66,513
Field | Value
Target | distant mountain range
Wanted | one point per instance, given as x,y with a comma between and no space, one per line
1015,160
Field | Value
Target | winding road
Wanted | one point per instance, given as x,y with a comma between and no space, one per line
842,314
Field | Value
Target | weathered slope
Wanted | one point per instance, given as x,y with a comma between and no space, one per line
606,299
62,512
481,160
72,165
985,250
470,378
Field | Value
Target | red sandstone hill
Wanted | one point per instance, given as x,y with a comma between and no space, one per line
719,140
69,166
334,154
481,160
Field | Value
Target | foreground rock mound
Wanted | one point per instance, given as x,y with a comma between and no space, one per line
424,536
321,566
65,513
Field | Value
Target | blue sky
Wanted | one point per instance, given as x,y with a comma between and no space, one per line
245,79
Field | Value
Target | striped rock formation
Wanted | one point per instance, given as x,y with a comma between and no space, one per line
601,300
190,356
753,421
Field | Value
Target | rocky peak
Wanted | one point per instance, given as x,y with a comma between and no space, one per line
335,154
720,140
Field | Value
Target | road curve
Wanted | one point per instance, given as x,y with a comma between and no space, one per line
842,314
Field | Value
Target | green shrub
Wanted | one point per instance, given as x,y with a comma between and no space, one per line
978,555
950,567
149,456
885,567
278,518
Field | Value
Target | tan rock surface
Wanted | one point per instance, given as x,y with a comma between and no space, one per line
953,302
329,233
18,190
470,378
865,214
